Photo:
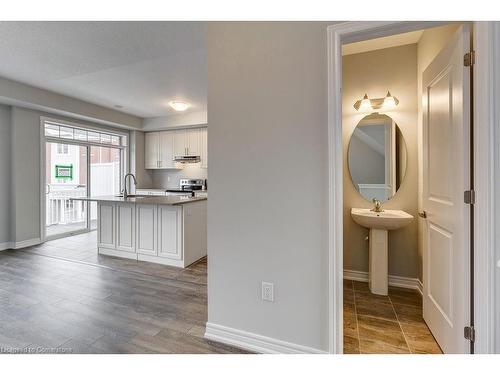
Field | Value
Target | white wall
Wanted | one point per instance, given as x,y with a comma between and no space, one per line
267,213
374,73
5,138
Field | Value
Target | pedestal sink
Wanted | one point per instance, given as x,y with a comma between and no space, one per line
379,224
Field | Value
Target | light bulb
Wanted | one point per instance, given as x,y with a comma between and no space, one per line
389,101
366,105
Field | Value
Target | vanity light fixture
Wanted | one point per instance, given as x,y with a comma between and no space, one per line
179,106
371,105
363,105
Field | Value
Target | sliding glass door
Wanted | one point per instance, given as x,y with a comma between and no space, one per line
79,162
105,174
65,178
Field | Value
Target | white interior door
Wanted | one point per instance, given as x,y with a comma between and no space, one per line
446,166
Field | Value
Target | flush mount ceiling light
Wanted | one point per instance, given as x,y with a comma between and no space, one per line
369,105
179,106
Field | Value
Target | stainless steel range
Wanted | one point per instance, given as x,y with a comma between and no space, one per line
187,187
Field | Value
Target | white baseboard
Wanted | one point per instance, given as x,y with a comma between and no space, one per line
5,246
399,281
20,244
27,243
255,343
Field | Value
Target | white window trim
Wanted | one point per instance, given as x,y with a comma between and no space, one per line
124,157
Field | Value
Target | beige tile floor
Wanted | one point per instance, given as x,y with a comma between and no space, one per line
385,324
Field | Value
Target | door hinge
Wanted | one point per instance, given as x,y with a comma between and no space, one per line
470,58
470,334
469,197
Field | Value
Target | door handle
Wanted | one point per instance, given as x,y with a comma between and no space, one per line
423,214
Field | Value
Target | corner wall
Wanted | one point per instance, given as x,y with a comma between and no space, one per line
374,73
25,173
5,180
268,153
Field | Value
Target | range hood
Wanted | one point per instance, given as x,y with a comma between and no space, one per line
187,159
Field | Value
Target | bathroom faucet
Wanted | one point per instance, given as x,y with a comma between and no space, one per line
378,206
125,194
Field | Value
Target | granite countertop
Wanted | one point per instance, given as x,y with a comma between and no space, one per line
149,199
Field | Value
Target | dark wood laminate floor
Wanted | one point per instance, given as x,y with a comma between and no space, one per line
385,324
62,297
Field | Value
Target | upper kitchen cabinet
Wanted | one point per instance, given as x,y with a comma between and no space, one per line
151,148
204,147
159,151
187,142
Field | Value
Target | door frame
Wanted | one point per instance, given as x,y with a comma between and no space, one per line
125,153
486,120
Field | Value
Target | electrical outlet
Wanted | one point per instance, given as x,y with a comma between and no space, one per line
267,291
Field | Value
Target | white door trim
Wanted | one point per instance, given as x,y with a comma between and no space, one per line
486,41
484,36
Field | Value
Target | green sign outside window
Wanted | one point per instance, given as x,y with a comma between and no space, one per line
64,172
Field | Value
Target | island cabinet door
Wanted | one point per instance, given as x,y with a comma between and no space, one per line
146,229
170,232
106,225
125,227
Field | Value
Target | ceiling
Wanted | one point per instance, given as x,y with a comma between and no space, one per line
381,43
140,66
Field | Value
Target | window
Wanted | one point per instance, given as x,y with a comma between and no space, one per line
62,149
83,135
79,161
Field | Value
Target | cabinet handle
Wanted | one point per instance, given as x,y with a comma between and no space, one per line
423,214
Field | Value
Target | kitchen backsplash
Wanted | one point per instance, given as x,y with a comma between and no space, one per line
170,178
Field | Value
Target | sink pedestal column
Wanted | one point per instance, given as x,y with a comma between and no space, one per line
379,261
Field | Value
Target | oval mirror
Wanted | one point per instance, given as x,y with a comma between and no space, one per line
377,157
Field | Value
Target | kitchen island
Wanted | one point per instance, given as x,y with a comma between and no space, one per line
170,230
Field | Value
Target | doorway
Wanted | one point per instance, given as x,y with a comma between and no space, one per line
77,161
338,36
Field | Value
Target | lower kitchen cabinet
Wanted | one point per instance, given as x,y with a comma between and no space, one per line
106,225
168,234
125,227
146,229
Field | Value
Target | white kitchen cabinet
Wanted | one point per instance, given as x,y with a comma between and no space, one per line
187,142
125,227
204,147
193,141
106,225
166,151
159,151
146,229
170,232
180,143
151,148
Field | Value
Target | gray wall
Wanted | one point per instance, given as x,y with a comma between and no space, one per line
268,208
374,73
25,169
171,178
5,139
137,160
